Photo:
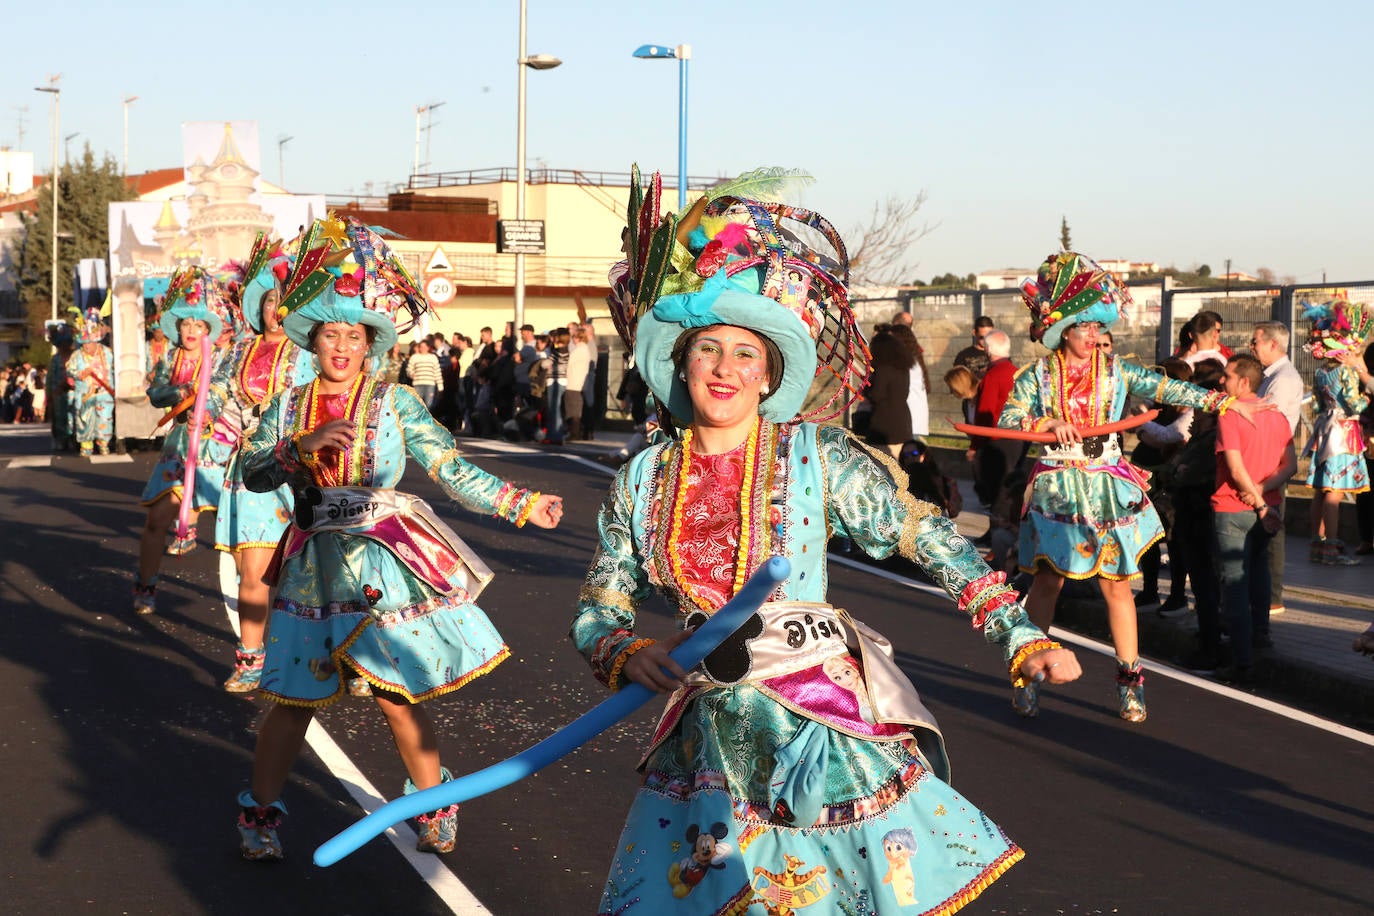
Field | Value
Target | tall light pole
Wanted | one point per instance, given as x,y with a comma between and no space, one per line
536,62
281,161
682,54
429,130
56,114
128,99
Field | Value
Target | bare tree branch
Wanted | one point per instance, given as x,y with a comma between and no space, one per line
880,252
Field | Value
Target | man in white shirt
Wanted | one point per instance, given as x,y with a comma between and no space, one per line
1283,385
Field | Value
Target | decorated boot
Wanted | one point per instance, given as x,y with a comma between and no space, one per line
258,840
1130,690
247,673
181,546
438,829
1026,700
145,596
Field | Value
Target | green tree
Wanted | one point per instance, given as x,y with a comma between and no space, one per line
1065,243
85,192
1204,271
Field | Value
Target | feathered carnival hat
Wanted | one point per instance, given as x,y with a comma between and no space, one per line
266,271
345,272
88,326
736,258
59,333
1069,289
1338,325
193,293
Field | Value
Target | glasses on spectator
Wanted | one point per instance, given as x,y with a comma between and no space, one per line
1104,345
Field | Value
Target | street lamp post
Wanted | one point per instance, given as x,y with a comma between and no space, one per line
281,160
536,62
682,54
56,114
128,100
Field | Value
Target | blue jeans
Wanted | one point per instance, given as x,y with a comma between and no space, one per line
1243,555
554,421
426,393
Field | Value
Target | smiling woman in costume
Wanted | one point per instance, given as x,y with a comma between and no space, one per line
1087,514
787,764
371,583
248,524
195,307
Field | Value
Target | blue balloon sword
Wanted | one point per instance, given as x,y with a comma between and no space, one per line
572,736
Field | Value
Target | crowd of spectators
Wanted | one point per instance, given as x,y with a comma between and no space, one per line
22,393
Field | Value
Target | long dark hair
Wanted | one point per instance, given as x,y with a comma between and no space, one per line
888,350
907,338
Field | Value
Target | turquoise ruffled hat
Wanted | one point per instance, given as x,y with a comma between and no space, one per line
192,293
736,261
1069,289
352,277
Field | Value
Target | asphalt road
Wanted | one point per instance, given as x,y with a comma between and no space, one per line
122,756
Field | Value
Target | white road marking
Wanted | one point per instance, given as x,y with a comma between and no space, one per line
33,461
111,459
1156,667
431,870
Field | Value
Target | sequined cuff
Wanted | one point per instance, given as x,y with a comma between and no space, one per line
991,602
623,656
977,591
524,514
1026,651
509,502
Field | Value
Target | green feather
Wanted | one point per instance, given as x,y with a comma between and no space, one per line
767,184
307,290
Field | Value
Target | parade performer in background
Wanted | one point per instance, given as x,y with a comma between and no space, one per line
797,764
1335,451
90,372
58,388
369,581
249,525
193,309
1087,514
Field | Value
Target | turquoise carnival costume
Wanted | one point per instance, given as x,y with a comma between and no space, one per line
92,405
797,767
59,392
369,579
193,294
1336,448
255,370
1087,513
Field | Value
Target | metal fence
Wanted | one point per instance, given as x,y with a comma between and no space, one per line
942,320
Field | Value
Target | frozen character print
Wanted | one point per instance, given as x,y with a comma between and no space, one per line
708,852
843,670
898,847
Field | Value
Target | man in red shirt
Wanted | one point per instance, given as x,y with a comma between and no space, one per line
1254,461
993,459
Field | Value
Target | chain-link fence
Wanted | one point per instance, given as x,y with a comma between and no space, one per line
1146,333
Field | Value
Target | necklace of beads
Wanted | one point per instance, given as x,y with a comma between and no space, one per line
312,420
1094,417
272,376
745,512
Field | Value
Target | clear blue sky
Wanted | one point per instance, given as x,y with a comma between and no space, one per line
1183,133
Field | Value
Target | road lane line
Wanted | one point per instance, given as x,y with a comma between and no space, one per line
1156,667
445,884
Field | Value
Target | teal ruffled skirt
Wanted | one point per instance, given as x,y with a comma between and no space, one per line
1085,522
249,519
345,605
748,807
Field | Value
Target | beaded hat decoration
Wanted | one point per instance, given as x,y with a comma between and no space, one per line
88,326
1338,325
734,258
192,292
344,272
1069,289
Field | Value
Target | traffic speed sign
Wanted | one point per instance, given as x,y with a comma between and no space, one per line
440,290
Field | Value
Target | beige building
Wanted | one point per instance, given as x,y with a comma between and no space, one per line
449,224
